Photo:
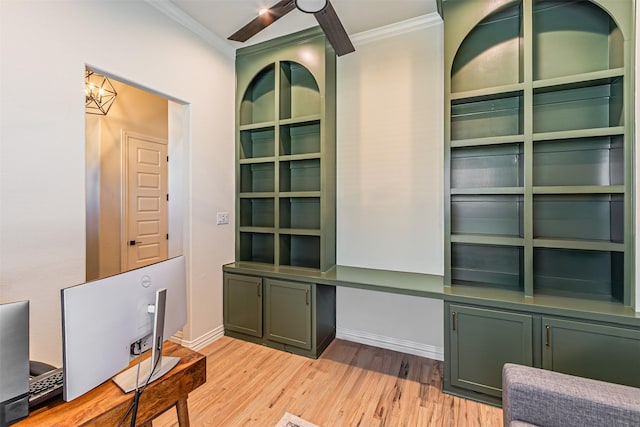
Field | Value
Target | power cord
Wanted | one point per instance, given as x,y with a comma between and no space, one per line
134,398
137,393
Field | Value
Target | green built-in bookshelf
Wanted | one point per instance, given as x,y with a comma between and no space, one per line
286,152
539,147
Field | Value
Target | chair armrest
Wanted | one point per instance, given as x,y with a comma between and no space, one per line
550,399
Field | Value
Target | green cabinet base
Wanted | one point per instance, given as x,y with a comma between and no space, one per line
480,339
291,316
242,297
478,343
601,352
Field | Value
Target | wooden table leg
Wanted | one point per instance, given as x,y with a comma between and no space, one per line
183,412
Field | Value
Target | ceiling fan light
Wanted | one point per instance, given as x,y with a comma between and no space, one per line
311,6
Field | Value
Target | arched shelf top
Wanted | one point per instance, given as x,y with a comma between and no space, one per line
299,92
575,37
298,97
566,38
258,100
490,54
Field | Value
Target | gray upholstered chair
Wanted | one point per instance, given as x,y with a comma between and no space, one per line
536,397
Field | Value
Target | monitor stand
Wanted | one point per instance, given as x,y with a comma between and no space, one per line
126,380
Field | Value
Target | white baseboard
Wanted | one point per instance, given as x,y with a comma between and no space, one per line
390,343
201,341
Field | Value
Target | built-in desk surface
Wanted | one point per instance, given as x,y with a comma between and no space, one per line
106,404
432,286
418,284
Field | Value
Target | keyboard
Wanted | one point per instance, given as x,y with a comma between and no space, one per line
45,387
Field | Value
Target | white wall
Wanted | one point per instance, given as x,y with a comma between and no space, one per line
390,183
45,46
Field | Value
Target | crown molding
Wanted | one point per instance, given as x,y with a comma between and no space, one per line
397,28
299,37
179,16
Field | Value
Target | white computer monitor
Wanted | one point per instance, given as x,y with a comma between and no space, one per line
103,318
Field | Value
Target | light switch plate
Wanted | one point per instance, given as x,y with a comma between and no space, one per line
222,218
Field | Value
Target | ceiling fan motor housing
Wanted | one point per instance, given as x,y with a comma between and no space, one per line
311,6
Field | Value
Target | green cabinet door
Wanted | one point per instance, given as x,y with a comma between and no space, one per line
288,313
481,342
242,296
602,352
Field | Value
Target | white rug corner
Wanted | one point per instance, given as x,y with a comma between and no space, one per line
290,420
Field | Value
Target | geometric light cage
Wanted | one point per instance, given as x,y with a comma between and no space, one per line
99,93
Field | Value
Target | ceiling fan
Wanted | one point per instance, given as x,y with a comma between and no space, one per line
323,11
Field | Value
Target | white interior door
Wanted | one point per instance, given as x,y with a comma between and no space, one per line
145,201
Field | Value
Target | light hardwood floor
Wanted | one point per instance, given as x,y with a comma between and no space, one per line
349,385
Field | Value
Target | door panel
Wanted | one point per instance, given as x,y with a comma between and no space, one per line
288,313
243,304
482,341
145,209
590,350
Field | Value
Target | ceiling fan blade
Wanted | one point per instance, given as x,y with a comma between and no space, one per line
332,27
262,21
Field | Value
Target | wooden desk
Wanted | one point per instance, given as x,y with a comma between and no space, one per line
106,405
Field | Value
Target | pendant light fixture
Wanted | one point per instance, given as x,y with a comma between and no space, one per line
99,93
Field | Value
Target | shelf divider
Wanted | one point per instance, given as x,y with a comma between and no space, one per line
490,140
488,190
579,189
482,239
587,245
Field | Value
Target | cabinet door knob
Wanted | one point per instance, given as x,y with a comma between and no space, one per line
306,296
258,289
453,320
